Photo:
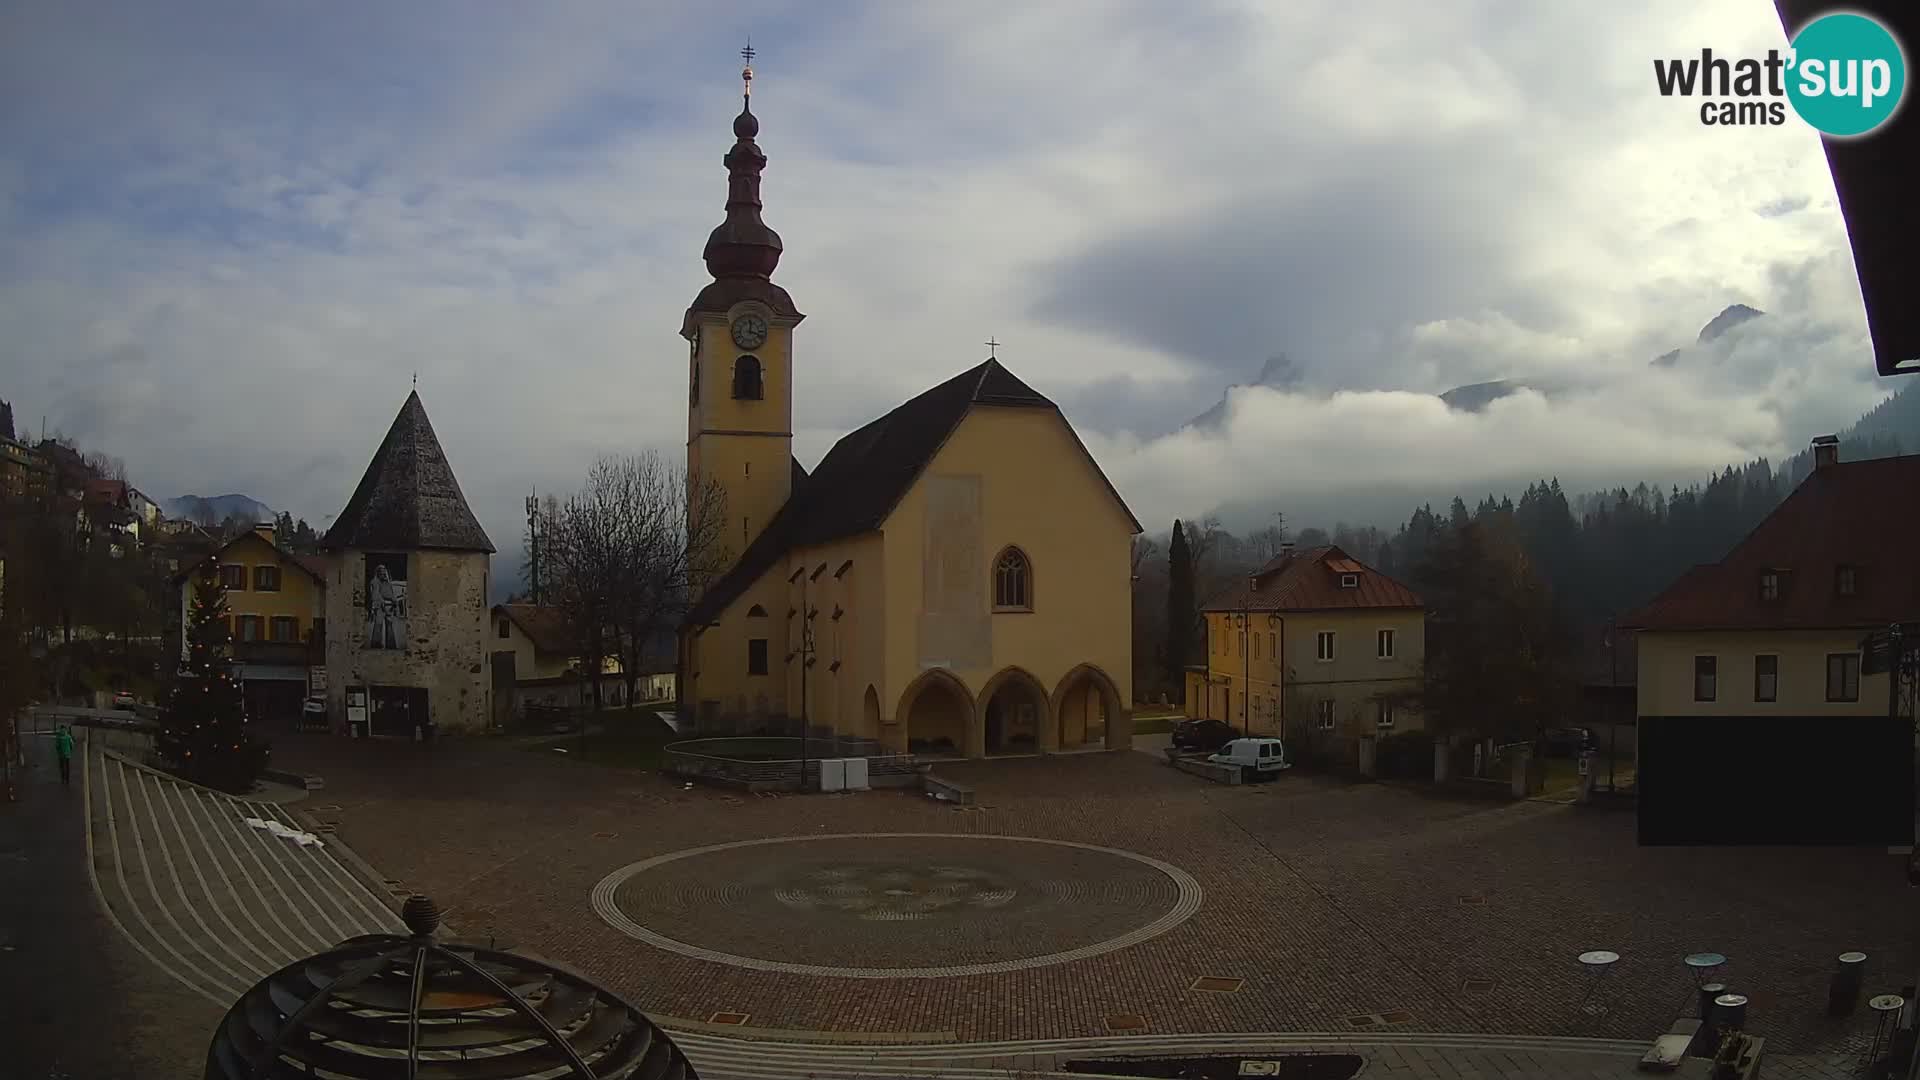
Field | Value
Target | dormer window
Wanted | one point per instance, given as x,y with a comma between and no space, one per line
1769,584
1846,580
1349,581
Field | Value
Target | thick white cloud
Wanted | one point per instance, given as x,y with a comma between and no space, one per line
229,242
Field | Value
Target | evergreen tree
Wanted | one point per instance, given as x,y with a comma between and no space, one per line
203,729
1180,609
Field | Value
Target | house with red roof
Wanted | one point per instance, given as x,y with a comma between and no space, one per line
1775,627
1313,644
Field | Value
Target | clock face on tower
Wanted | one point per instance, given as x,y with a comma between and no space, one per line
749,331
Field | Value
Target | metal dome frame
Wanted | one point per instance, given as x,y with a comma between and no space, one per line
393,1007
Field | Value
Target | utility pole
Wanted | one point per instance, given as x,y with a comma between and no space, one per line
533,544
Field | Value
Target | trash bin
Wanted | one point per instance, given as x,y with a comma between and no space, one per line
1730,1012
1843,993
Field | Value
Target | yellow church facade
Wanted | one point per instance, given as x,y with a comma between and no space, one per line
952,578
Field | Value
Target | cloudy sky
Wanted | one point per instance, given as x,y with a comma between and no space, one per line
231,233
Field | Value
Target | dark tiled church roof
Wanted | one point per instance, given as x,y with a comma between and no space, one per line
867,472
408,497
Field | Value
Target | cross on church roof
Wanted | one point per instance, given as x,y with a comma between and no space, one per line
992,348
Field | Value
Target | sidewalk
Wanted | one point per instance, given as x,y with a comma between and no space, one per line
78,1002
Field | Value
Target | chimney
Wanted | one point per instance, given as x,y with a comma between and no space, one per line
264,531
1826,451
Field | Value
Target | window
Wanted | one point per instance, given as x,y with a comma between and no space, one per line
1349,581
503,630
1769,585
1013,582
757,656
1383,644
266,579
1843,677
746,379
1323,712
756,612
1273,646
1256,646
1243,643
1846,580
233,577
1323,646
1705,674
319,631
1383,714
283,628
1766,678
249,628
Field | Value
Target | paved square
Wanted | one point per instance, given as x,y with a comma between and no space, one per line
1329,900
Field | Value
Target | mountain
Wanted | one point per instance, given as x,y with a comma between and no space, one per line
216,509
1277,373
1732,316
1474,397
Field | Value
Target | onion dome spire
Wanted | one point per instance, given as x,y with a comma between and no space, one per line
743,245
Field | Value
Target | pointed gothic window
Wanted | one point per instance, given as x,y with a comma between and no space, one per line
746,379
1012,581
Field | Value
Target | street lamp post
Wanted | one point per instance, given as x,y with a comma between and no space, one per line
805,654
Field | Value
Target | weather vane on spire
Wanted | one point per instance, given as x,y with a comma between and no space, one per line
746,73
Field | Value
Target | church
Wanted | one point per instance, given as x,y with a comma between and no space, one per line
954,578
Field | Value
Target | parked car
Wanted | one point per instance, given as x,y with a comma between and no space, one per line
1257,758
1568,741
123,700
1208,735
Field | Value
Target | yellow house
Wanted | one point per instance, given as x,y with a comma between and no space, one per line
952,578
276,619
1774,629
1314,643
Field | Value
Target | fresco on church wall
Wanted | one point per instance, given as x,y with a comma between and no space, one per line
955,626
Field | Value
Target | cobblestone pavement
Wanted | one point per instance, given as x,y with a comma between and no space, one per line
1341,907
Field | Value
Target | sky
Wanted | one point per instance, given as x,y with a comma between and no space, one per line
233,233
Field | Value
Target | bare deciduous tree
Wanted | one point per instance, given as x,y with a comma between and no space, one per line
622,557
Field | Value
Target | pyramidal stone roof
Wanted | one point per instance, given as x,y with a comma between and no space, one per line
408,497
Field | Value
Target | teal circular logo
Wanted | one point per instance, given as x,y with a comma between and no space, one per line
1848,74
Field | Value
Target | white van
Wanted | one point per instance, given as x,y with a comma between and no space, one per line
1257,758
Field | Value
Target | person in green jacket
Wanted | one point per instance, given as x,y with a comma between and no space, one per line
63,749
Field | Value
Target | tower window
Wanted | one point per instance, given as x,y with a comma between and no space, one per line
746,379
757,656
1012,581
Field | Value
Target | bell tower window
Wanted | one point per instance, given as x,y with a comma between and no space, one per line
746,379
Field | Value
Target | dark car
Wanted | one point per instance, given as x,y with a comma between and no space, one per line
1207,735
1568,741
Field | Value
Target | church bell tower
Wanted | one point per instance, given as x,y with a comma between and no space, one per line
739,332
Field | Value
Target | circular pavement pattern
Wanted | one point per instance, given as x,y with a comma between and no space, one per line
896,905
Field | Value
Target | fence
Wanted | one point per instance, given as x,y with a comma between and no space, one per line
775,762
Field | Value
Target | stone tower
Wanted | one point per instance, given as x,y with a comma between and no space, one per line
407,594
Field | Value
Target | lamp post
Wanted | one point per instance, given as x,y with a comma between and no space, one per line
805,653
1613,692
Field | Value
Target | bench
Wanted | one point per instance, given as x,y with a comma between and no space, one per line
946,790
1669,1050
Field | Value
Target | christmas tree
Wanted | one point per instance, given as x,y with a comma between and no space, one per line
203,729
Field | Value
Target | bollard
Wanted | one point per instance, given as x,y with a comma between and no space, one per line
1843,993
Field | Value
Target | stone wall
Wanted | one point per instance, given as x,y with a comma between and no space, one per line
446,644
